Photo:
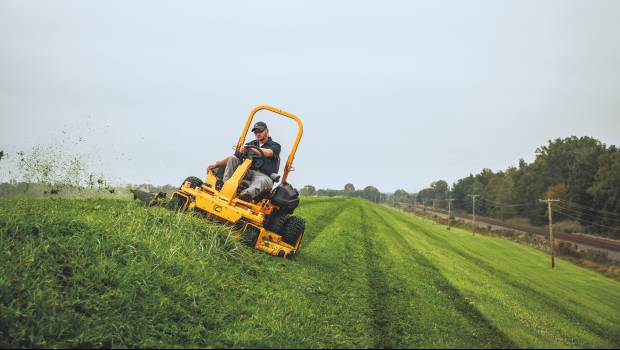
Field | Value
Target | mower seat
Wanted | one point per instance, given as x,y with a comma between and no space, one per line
275,177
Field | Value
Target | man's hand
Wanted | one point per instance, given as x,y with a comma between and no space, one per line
211,167
242,149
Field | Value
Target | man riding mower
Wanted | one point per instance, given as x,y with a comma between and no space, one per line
266,155
238,190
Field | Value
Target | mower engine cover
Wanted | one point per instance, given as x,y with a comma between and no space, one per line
286,197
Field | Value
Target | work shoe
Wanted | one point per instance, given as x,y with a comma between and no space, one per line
245,196
219,184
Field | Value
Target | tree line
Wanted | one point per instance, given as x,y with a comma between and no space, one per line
370,193
582,172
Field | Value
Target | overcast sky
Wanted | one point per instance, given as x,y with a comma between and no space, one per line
391,93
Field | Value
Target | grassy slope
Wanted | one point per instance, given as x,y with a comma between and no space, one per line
112,273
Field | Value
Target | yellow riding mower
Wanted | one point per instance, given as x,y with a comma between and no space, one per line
265,223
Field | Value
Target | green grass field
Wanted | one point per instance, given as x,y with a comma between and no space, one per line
111,273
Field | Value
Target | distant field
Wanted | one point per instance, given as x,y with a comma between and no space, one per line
111,273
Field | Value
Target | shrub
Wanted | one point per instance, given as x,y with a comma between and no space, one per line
568,227
596,256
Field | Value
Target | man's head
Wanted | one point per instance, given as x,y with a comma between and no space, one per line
261,132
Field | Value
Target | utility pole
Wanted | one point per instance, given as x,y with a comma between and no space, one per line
551,240
473,198
449,210
424,205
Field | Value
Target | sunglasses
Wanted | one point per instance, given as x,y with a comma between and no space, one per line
256,132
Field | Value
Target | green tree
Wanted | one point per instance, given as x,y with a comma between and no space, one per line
573,161
371,193
460,191
349,188
307,190
579,170
498,196
605,191
426,195
401,196
440,191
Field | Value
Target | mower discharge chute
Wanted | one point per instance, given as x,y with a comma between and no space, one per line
266,223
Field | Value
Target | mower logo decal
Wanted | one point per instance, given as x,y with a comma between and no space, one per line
217,208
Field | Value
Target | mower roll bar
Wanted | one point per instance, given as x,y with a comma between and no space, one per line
291,156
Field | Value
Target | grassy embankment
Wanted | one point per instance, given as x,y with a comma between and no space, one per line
113,273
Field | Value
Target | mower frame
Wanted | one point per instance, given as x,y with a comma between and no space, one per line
247,218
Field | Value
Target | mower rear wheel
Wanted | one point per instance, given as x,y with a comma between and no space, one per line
277,222
293,229
194,181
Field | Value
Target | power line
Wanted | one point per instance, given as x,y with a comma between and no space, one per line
583,207
575,211
571,216
585,210
579,213
498,204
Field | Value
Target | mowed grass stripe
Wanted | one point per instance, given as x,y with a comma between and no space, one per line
378,289
317,300
421,238
539,327
318,214
429,311
513,285
534,295
582,300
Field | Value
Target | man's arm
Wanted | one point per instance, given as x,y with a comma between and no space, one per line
218,164
266,152
272,151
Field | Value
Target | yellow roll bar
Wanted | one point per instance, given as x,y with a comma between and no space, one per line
291,156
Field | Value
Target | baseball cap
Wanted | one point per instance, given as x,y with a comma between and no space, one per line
260,126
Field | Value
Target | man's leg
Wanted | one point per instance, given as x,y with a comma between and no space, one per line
231,166
259,183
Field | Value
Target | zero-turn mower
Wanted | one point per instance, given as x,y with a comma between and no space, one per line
265,223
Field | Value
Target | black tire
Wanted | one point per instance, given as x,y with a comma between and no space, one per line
177,203
249,236
277,221
293,229
193,181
